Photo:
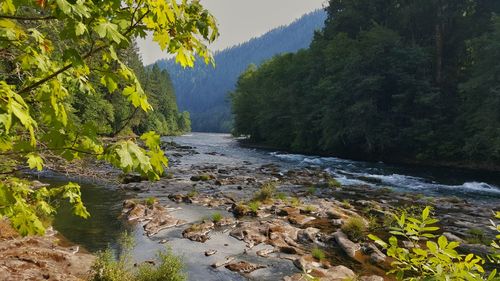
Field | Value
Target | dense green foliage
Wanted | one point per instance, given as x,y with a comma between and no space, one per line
412,81
203,90
114,115
424,258
68,75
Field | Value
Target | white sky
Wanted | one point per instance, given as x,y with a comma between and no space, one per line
240,20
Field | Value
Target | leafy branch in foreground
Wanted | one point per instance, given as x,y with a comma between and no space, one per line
495,244
52,50
423,258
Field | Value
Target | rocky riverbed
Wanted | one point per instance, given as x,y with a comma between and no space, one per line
274,222
239,218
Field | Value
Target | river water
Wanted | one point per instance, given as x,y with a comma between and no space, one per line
104,203
428,180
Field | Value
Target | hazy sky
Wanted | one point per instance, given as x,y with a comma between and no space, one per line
240,20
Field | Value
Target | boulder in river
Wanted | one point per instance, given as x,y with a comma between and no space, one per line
198,232
349,247
243,267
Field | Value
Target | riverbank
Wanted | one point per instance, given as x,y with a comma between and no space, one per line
40,258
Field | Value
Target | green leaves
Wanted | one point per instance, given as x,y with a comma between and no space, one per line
64,6
151,139
35,161
106,29
43,78
436,260
71,191
26,206
7,7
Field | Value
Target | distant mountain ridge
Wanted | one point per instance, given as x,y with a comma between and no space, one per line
203,90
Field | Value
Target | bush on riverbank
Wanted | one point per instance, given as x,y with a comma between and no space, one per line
108,268
422,257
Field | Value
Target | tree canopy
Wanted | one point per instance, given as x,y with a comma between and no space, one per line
410,81
56,53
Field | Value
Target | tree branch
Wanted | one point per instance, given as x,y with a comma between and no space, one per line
89,54
127,121
27,18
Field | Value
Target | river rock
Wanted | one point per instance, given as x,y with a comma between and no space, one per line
137,212
336,273
226,221
161,221
210,252
265,252
288,211
307,235
198,232
300,219
40,258
334,214
453,237
371,278
131,178
240,210
376,256
349,247
337,222
477,249
223,263
250,232
244,267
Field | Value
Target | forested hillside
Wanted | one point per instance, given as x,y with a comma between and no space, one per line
203,90
412,81
113,115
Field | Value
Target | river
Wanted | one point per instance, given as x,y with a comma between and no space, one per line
104,202
432,181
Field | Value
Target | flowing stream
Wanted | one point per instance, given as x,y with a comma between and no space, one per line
104,203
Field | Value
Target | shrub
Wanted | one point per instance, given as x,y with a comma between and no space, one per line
192,193
217,217
318,254
346,204
204,177
436,260
266,192
310,208
333,183
107,268
354,228
281,196
150,201
373,223
254,206
385,190
170,268
295,201
476,236
495,244
311,190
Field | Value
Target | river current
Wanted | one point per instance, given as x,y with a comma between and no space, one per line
428,180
